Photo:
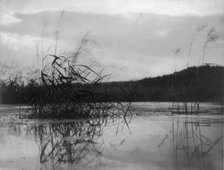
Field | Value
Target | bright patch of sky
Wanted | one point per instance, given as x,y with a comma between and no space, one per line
133,39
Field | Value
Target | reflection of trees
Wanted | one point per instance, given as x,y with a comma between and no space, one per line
189,140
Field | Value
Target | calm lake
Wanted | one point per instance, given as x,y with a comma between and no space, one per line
154,139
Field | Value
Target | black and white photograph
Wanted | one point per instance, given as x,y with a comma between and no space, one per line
111,84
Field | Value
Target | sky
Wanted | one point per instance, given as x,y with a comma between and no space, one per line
131,39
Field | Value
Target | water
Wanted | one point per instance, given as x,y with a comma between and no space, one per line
155,140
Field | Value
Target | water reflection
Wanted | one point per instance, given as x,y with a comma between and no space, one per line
68,142
75,143
193,141
153,142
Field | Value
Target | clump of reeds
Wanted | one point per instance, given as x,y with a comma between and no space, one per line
63,94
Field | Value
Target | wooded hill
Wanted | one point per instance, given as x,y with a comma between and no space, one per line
204,83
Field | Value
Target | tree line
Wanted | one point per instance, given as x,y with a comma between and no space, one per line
204,83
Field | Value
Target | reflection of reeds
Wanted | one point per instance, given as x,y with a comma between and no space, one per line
68,143
76,143
194,144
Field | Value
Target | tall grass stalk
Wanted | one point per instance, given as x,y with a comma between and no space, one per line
192,41
211,37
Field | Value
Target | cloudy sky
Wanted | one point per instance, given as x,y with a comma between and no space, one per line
132,39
